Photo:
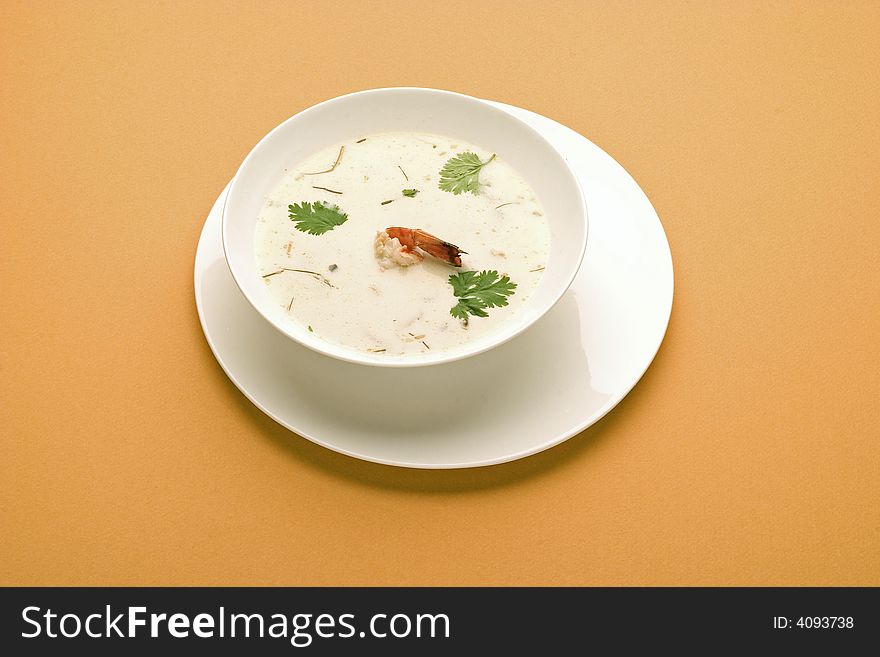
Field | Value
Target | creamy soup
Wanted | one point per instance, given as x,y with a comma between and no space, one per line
360,243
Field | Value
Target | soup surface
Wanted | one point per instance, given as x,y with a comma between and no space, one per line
334,247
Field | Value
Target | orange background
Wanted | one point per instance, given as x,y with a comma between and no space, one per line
748,454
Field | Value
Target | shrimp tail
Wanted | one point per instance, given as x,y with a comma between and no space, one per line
411,238
442,250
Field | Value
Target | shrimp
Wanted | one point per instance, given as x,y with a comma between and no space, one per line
390,252
411,238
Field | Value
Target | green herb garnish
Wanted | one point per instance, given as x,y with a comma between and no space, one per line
478,291
316,218
462,173
410,192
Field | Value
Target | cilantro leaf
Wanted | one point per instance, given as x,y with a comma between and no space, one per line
462,173
316,218
477,291
410,192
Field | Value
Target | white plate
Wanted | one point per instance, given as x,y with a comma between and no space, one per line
527,395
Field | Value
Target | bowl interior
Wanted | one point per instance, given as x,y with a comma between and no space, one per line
407,109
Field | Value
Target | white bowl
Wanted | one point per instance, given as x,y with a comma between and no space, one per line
419,110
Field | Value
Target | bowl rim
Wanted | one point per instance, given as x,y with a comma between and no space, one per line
328,348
